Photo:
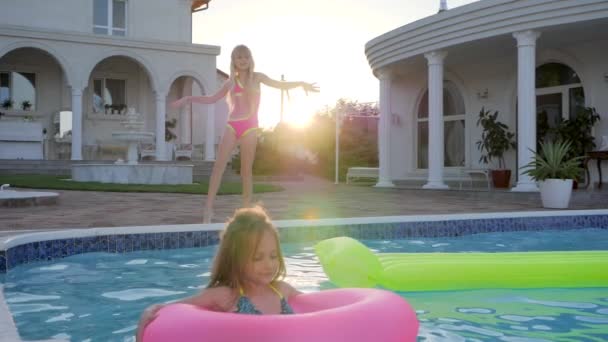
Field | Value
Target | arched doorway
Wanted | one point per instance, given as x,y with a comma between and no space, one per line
453,128
559,96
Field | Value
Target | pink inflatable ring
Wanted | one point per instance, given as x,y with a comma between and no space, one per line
332,315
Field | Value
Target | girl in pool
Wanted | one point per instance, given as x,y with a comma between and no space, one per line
247,271
243,90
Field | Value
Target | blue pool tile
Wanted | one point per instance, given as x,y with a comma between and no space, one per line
121,244
155,241
170,240
31,252
112,243
2,262
129,241
19,255
139,242
197,238
186,240
78,246
213,238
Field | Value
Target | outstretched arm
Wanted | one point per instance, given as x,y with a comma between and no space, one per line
204,99
312,87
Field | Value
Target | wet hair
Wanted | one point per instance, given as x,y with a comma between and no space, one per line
242,49
238,243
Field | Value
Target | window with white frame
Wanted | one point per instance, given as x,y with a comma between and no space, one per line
453,128
109,96
110,17
18,90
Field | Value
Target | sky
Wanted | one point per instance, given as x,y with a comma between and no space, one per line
319,41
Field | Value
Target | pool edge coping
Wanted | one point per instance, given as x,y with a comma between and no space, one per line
20,239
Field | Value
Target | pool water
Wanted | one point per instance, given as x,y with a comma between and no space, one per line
99,296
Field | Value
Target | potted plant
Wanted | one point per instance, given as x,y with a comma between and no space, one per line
578,132
495,141
26,105
7,104
170,136
555,172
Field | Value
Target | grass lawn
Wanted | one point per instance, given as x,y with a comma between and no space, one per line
63,183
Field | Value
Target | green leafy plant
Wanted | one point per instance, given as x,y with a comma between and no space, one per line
7,104
495,138
578,131
169,124
552,162
26,105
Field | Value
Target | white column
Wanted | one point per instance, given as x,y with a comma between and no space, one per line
436,149
184,125
210,134
76,124
160,126
526,106
384,131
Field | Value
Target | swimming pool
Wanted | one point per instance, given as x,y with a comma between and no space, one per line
99,296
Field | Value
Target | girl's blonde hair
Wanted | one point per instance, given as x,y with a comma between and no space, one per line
238,243
249,77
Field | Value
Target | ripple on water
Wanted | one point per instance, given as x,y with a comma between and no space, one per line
541,327
603,311
137,294
125,330
590,319
57,267
475,310
522,339
62,317
137,262
21,297
17,309
466,327
519,318
572,305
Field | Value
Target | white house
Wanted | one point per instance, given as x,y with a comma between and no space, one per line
438,72
90,60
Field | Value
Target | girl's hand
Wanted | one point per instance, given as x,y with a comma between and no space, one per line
312,87
147,317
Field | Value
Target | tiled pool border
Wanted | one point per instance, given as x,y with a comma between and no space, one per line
28,248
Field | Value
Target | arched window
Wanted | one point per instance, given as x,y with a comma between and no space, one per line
559,96
453,127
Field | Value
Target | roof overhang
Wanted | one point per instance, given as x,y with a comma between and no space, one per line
486,19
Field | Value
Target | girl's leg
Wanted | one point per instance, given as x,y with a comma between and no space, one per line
227,144
248,145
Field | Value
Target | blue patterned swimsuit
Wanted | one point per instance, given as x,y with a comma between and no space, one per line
245,306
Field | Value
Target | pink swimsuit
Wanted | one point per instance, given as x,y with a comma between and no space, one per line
241,121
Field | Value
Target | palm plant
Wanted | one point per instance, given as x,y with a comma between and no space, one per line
553,162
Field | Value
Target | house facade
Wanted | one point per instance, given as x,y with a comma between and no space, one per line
73,68
517,57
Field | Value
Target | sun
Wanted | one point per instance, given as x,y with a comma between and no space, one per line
300,110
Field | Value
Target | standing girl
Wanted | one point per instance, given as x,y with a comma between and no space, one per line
243,90
247,271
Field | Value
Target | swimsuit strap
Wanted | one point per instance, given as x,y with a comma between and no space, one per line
276,291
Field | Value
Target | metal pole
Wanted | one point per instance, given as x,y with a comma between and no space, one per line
337,145
282,93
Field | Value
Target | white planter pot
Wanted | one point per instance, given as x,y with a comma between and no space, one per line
555,193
